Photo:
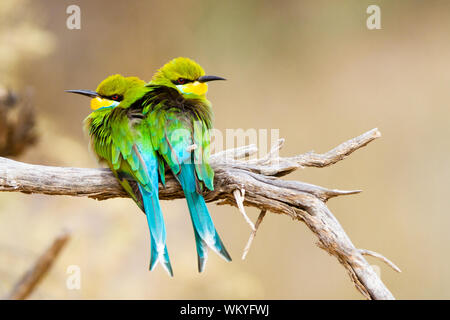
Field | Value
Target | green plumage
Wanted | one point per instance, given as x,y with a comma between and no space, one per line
142,129
175,122
113,135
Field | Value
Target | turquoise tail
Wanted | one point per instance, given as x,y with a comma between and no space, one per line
157,231
204,230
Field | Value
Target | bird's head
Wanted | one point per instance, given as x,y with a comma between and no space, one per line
186,76
114,91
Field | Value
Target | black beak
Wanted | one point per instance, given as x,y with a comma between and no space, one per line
88,93
209,78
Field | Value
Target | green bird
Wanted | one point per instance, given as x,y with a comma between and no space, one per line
181,116
140,129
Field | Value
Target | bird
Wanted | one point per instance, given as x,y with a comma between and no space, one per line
120,138
138,129
181,115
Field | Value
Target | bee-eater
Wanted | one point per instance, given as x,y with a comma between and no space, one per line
137,129
180,117
120,138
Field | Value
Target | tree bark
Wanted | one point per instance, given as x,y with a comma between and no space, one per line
258,183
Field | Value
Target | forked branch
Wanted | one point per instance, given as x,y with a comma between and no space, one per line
234,174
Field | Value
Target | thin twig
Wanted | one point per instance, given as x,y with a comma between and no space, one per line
272,154
239,196
253,234
32,277
381,257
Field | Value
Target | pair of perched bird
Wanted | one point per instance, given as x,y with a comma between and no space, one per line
140,128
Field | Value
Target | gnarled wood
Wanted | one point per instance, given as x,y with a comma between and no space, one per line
258,177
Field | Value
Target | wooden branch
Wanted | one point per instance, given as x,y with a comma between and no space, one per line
263,190
31,279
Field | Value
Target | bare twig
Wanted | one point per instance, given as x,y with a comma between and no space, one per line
381,257
301,201
31,279
239,195
253,234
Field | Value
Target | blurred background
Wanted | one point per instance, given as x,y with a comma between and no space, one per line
309,68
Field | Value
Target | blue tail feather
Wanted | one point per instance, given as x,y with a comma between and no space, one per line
202,251
157,228
205,232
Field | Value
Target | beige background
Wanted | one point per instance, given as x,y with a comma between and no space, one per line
309,68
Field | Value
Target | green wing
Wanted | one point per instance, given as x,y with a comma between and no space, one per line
201,154
125,149
173,134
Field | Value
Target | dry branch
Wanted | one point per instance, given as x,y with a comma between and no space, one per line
31,279
253,234
259,179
